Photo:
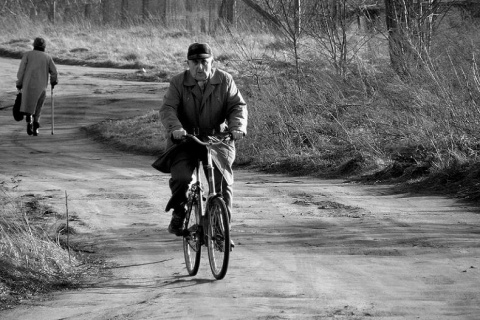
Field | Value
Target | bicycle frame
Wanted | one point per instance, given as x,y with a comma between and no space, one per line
210,174
210,168
212,221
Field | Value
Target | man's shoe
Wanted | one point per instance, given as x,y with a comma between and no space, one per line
36,125
176,224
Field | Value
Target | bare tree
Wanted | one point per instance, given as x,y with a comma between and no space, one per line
227,11
145,10
88,11
327,22
410,27
262,12
231,11
285,15
288,14
124,12
106,15
163,11
52,10
189,14
211,16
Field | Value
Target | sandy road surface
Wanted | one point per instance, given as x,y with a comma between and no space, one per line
307,248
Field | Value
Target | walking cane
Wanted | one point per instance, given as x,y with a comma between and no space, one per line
51,95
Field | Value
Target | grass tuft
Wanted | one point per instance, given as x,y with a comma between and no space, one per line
32,261
142,134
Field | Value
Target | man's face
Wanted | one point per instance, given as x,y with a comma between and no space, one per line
200,69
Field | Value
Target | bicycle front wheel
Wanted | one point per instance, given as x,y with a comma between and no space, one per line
218,234
192,246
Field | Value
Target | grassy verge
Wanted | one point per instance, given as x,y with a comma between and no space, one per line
142,134
34,258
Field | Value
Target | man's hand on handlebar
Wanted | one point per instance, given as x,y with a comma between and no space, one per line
178,134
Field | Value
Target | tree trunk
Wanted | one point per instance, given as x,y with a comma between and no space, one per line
145,10
52,11
203,25
231,11
88,11
211,16
298,22
33,14
124,13
410,28
106,17
262,12
189,14
163,12
396,41
227,11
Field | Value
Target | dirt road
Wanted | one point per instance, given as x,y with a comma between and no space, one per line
306,248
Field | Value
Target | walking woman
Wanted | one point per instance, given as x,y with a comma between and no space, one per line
32,79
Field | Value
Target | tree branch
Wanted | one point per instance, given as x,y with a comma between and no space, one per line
262,12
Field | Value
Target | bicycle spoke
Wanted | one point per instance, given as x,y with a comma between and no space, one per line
192,238
218,238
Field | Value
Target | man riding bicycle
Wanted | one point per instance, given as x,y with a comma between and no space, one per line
204,101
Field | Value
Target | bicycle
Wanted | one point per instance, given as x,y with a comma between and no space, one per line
207,221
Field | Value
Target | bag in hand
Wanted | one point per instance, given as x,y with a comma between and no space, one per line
17,114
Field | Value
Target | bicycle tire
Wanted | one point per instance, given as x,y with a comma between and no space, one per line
192,246
218,235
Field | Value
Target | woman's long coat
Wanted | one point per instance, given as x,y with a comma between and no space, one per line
220,106
32,77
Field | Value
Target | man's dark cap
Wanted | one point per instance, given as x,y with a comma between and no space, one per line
39,43
199,51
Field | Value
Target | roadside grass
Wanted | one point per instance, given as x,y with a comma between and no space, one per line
142,134
158,50
33,255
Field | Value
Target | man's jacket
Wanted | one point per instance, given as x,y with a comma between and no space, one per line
220,107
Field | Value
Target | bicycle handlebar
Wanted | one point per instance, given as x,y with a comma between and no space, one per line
222,138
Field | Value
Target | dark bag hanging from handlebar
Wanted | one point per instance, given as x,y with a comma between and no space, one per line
164,161
17,114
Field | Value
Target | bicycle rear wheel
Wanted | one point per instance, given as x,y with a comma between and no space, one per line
218,234
192,246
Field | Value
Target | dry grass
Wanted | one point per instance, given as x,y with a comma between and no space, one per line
142,134
31,260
